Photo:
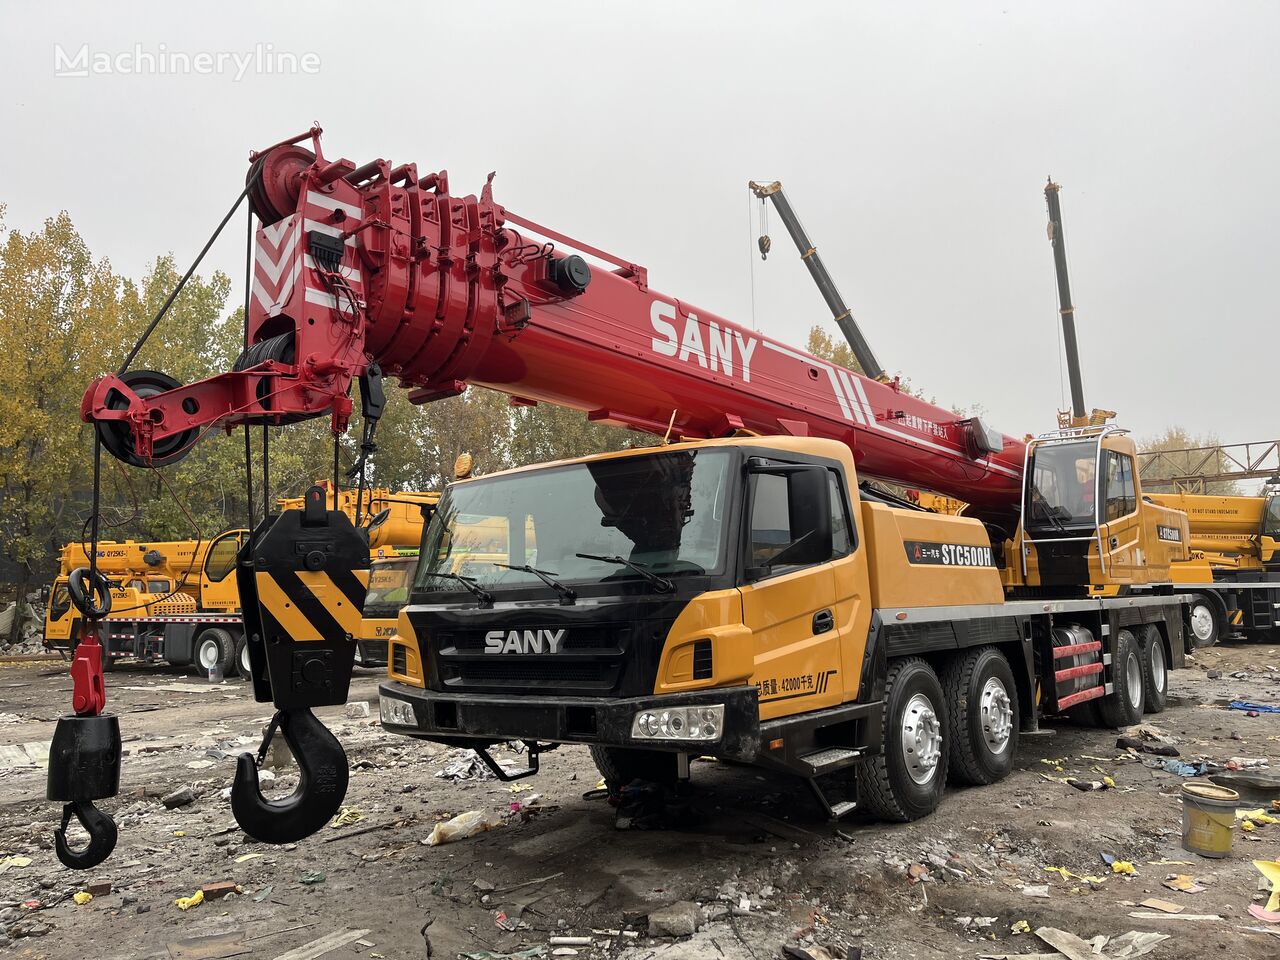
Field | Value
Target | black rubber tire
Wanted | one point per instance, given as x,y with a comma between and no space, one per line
973,761
226,650
1155,669
885,786
243,670
1207,608
1120,709
620,766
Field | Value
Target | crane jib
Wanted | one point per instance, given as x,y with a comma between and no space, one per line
381,263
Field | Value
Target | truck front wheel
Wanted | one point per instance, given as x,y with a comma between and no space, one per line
243,667
620,766
905,780
1205,622
982,703
215,648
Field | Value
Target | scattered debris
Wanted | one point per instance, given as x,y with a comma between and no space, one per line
460,827
326,944
311,878
1182,882
347,816
215,946
186,903
680,919
179,798
1164,906
1254,709
223,888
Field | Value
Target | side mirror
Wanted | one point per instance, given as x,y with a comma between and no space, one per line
378,519
808,515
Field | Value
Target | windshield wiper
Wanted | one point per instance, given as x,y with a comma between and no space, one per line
479,592
567,594
662,584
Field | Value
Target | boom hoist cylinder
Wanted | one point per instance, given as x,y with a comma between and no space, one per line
383,263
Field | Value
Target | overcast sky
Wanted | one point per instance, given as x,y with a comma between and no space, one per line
913,139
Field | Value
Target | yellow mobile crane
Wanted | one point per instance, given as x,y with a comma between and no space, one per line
177,602
735,593
1234,571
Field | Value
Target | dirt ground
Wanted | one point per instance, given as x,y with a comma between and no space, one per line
763,865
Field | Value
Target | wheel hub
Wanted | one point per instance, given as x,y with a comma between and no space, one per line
208,655
921,738
1201,622
996,710
1133,678
1157,664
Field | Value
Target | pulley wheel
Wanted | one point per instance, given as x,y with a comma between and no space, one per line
275,180
118,438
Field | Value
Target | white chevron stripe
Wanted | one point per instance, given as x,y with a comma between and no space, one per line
332,203
273,303
273,267
835,385
274,231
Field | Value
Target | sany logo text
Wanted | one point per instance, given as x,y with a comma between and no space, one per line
523,641
722,350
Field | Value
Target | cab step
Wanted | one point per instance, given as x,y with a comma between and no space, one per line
832,759
835,809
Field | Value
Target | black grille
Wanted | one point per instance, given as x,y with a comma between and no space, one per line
400,660
524,673
702,663
576,638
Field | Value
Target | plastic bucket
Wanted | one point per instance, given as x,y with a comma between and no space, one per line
1208,816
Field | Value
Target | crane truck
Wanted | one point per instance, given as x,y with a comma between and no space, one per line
735,592
176,601
1233,575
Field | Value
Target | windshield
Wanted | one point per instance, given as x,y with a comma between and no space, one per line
664,511
389,582
1062,485
1271,523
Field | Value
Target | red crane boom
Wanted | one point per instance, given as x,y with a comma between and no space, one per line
379,265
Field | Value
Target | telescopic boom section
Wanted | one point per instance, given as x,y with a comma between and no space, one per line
382,264
842,315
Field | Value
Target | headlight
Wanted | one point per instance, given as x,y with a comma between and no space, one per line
397,712
679,723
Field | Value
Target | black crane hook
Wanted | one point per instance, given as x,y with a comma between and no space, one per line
102,835
322,781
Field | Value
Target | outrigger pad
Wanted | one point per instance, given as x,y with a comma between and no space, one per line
302,589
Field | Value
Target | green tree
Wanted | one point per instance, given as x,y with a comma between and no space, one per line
60,324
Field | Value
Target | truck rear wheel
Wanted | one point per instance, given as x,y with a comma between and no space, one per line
620,766
215,648
244,670
1128,698
1205,621
982,707
906,779
1155,669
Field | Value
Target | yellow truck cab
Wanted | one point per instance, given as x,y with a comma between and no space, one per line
171,601
745,599
1233,573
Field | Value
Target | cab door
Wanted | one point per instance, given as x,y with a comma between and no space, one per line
219,589
789,596
1121,527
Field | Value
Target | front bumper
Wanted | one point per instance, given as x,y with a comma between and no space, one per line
481,719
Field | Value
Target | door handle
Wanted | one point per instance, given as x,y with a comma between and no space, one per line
823,621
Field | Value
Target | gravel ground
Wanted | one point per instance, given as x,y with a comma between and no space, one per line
749,856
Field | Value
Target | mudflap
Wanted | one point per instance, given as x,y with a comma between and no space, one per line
302,578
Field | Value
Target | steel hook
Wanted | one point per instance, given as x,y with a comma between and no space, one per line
102,835
322,782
